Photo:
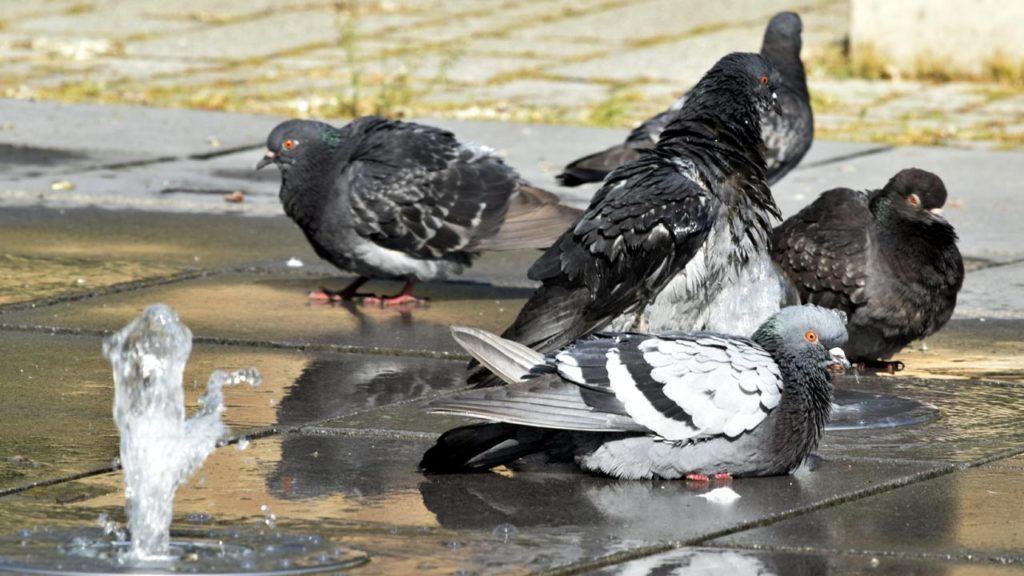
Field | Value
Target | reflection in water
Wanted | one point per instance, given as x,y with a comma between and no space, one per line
335,386
689,562
976,419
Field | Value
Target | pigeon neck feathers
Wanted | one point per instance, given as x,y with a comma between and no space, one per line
806,400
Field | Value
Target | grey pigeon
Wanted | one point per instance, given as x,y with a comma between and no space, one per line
671,232
787,137
390,199
887,258
666,405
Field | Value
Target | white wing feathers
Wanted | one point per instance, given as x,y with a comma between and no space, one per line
685,388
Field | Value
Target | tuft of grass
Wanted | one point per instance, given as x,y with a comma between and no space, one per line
80,8
617,110
394,89
1003,69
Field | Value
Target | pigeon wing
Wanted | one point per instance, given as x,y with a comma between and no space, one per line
416,189
545,402
823,249
679,386
652,216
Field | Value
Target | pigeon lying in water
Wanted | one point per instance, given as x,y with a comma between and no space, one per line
787,137
887,258
652,405
670,232
390,199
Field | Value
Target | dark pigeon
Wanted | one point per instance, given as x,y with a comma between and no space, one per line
887,258
666,405
787,137
390,199
671,232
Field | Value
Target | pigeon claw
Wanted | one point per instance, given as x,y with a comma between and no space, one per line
702,478
395,300
723,477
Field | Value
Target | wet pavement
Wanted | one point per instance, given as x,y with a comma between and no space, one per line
330,441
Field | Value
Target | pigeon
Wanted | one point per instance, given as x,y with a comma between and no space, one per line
787,137
668,233
669,405
887,258
390,199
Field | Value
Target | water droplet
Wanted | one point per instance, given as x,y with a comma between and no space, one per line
243,443
504,532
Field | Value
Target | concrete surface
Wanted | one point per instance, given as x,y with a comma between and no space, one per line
336,428
579,62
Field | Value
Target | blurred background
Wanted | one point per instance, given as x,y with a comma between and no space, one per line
908,72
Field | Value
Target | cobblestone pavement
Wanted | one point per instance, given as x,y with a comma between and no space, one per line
594,62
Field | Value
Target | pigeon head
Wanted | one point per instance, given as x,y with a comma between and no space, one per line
805,333
783,31
296,141
914,194
740,74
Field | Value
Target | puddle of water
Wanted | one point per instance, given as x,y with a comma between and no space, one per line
974,420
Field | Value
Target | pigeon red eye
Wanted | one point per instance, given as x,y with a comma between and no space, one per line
811,336
289,144
914,200
764,80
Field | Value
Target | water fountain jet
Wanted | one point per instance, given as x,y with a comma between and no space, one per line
159,450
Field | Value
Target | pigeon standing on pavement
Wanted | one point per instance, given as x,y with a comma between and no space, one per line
787,137
390,199
886,258
637,406
672,232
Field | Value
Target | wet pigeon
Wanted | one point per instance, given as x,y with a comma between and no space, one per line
390,199
671,232
787,137
668,405
887,258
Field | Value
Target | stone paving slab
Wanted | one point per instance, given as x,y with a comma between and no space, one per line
977,420
60,252
980,184
273,308
137,132
979,348
683,62
973,514
996,292
197,186
741,562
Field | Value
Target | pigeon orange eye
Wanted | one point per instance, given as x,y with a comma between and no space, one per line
289,144
914,200
764,80
811,336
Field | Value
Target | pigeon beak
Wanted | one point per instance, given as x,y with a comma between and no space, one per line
267,159
776,105
936,211
839,363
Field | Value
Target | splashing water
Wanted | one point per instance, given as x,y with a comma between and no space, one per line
160,449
